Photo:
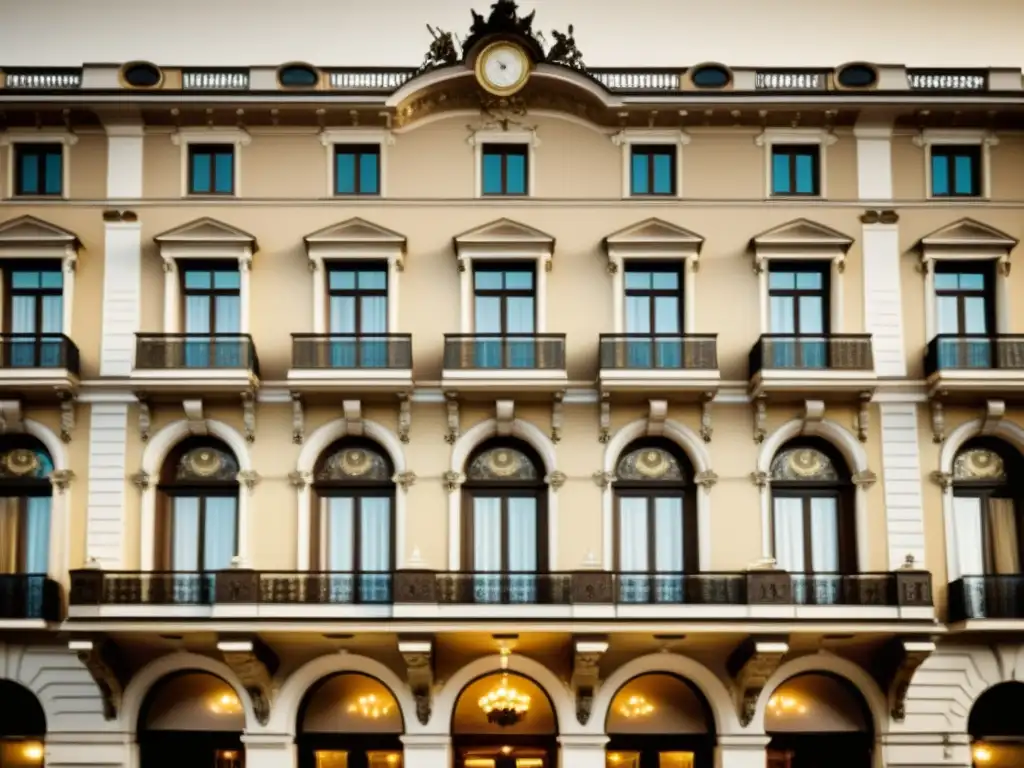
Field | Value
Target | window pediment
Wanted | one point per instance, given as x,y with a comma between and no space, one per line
504,238
801,239
206,238
654,238
355,238
27,236
966,239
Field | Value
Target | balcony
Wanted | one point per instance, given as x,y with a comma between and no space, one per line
339,362
801,367
998,600
516,362
28,600
38,363
665,364
199,363
975,366
246,594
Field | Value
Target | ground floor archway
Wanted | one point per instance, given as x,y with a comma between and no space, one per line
22,727
996,725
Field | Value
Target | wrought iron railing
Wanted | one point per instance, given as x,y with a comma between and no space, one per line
344,351
513,351
828,352
660,351
177,351
974,352
38,350
986,597
30,596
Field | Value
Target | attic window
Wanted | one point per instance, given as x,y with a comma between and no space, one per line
142,75
298,76
857,76
711,76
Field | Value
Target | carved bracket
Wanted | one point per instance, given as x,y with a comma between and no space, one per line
140,480
452,406
938,421
706,479
145,419
194,416
898,662
555,479
864,479
604,433
300,479
814,412
12,419
255,664
60,479
298,419
352,413
751,665
504,416
557,417
995,410
452,480
603,479
656,416
861,422
417,653
103,660
760,419
249,416
405,480
586,673
249,478
67,414
705,416
404,416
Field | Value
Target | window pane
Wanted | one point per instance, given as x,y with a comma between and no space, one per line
665,281
969,535
789,533
368,182
197,278
185,534
972,281
824,535
637,280
345,173
487,534
946,319
781,183
225,172
488,314
519,281
342,280
640,184
338,526
54,279
633,537
806,175
37,534
228,314
374,317
668,543
228,279
201,171
812,315
946,281
663,174
219,532
488,281
343,314
376,280
638,314
522,534
53,316
30,174
197,314
520,314
492,174
23,314
808,281
53,173
782,316
783,281
25,279
516,174
375,534
940,175
963,173
975,320
666,314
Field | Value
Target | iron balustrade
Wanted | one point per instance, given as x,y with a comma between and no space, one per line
347,351
182,351
510,351
826,352
38,350
966,352
30,596
659,351
986,597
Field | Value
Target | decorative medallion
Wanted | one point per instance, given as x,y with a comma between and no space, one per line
649,464
207,463
502,464
979,464
22,462
798,464
355,463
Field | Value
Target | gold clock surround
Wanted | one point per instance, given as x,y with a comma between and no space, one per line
487,53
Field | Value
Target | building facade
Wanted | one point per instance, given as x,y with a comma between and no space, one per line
511,413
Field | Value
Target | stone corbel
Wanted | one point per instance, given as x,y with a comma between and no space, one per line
418,655
453,480
249,478
452,409
405,480
605,424
249,416
194,416
751,665
557,417
60,479
705,416
760,479
938,421
12,419
103,661
254,663
300,479
1004,266
352,413
862,420
864,479
942,479
67,414
760,419
555,479
603,479
995,410
706,479
924,266
504,416
900,659
586,673
404,416
814,412
656,415
298,419
145,419
140,480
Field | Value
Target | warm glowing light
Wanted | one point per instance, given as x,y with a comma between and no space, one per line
529,762
504,705
229,754
33,752
614,757
982,754
782,705
506,750
226,704
370,706
636,706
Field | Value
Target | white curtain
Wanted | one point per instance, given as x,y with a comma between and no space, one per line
640,353
788,517
37,534
185,534
824,535
520,317
634,586
230,352
487,540
219,531
487,320
781,353
970,542
337,534
668,548
23,320
522,549
375,548
197,321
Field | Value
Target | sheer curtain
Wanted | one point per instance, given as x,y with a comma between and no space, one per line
184,549
487,541
634,586
520,316
197,321
522,549
788,520
970,542
782,352
343,320
23,320
825,550
53,323
9,535
668,548
375,549
487,321
219,531
338,546
640,353
37,534
374,321
231,352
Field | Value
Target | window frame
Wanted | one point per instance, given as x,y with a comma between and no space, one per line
662,266
358,150
505,151
820,137
650,151
187,137
984,139
823,268
357,266
792,152
988,293
12,138
39,150
21,490
10,292
950,151
210,266
213,150
483,138
504,293
353,137
628,138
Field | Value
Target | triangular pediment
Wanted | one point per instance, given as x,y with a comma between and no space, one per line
28,231
206,231
356,231
654,232
504,232
802,233
968,233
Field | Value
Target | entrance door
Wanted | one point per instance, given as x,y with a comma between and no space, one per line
504,757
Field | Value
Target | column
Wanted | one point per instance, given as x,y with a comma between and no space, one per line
68,267
172,297
425,751
244,272
269,750
466,294
395,268
582,751
301,481
741,751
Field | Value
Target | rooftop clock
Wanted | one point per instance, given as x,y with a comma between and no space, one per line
502,68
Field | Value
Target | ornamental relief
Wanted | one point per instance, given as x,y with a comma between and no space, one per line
502,464
207,464
24,464
354,463
649,464
979,464
803,464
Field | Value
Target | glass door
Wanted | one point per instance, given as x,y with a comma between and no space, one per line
504,542
356,548
653,308
505,314
798,309
37,309
359,309
213,307
963,307
651,549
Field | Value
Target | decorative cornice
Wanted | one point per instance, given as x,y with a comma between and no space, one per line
217,135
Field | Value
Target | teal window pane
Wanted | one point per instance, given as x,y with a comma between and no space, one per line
224,172
638,280
781,183
492,174
368,182
197,279
53,163
808,280
640,183
229,279
29,175
964,175
972,281
662,174
782,280
805,175
665,281
201,172
519,281
488,281
342,280
54,279
24,279
516,169
376,280
946,281
940,175
345,173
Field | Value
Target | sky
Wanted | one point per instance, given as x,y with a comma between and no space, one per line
611,33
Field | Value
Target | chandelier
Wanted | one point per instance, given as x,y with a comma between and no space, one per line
636,706
370,706
504,705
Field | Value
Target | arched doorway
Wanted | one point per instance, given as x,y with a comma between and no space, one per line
191,718
818,720
659,720
22,727
480,740
996,726
349,721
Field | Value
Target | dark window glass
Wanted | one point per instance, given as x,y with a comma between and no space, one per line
711,76
956,171
795,169
211,169
357,169
298,77
142,75
504,170
653,170
35,305
857,76
38,169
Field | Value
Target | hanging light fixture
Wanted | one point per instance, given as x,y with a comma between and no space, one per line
635,706
504,705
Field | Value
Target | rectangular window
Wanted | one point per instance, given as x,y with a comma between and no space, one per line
798,312
795,169
358,314
652,170
964,307
213,311
38,169
211,169
357,169
505,310
35,307
654,308
956,171
504,169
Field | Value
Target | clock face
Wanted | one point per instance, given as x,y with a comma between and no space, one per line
502,68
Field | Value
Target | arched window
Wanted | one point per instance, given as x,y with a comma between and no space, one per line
199,519
25,496
22,727
504,522
655,522
987,509
996,727
812,522
354,538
